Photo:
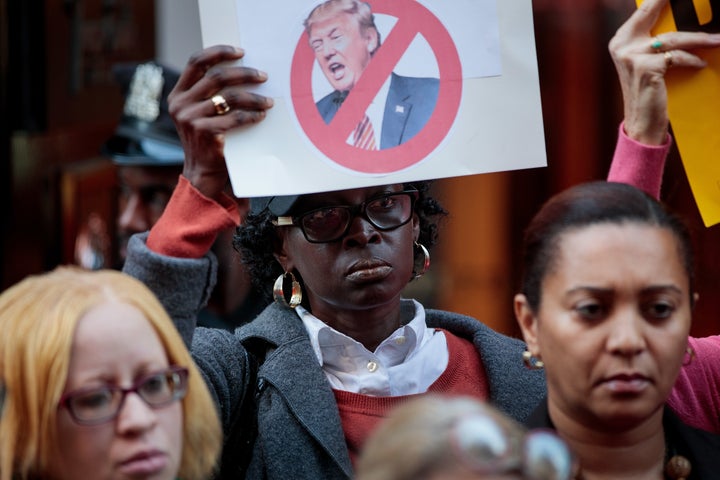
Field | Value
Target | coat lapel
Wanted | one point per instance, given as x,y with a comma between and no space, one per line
293,370
395,116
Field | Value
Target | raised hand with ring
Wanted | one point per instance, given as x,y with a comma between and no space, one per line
213,96
642,56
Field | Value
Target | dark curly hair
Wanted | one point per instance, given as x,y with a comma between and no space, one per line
256,239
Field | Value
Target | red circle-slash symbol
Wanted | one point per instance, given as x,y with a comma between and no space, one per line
412,19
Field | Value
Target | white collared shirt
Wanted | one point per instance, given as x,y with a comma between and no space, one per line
407,362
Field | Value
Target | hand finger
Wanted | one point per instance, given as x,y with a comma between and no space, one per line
634,33
200,62
243,100
680,58
646,15
221,77
218,125
687,40
234,100
245,108
221,82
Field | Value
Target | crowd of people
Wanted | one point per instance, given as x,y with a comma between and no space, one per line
107,374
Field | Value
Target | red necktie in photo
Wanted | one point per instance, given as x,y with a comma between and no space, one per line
364,135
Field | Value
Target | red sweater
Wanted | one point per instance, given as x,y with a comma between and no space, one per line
464,375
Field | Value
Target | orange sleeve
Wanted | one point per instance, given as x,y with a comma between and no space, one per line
191,222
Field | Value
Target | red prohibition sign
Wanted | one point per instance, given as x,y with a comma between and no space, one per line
412,19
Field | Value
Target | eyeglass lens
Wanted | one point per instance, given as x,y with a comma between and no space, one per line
100,404
489,449
547,457
331,223
483,440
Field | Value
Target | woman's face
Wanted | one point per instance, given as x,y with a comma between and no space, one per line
115,344
613,323
365,269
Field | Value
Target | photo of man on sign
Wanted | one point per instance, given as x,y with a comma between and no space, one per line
344,37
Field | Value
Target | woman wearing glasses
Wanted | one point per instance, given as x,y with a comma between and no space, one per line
98,384
339,346
605,309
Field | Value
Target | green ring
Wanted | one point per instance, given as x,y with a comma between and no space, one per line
656,44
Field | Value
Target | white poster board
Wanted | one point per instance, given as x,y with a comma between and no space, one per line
474,59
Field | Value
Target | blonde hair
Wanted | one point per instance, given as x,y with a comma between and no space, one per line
38,317
414,441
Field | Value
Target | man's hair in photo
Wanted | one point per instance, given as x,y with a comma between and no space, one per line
361,11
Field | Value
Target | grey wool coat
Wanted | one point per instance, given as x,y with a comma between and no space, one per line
299,433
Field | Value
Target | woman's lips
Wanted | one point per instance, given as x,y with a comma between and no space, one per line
626,383
368,270
145,463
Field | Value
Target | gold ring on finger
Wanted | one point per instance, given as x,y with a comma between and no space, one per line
668,59
220,104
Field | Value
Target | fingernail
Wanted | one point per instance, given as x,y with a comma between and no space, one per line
270,102
262,75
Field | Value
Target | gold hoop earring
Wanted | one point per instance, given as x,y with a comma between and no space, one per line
295,291
425,261
689,356
531,362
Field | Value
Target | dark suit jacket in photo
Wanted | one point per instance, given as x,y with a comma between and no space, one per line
409,105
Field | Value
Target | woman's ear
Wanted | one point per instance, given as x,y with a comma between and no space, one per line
280,253
527,320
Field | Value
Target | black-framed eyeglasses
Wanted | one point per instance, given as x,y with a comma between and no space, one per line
486,447
96,405
327,224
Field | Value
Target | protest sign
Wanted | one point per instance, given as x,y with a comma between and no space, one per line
449,89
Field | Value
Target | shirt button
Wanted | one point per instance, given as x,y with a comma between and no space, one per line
372,366
399,340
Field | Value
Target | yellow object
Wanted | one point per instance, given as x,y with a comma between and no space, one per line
694,110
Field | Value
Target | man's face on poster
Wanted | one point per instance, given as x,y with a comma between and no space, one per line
342,49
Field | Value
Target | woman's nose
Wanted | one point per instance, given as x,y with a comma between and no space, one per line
361,232
626,333
135,415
